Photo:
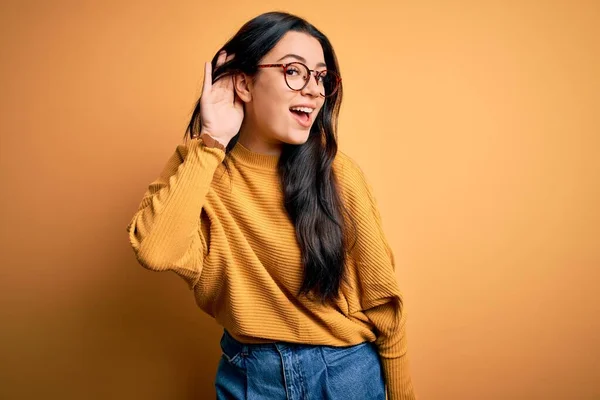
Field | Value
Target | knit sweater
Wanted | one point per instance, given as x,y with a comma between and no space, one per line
228,235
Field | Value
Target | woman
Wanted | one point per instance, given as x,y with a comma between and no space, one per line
275,230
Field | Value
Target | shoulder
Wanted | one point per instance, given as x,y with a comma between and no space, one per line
347,168
351,178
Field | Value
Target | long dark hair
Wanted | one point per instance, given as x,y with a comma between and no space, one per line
311,194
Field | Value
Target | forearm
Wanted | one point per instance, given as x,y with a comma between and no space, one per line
165,229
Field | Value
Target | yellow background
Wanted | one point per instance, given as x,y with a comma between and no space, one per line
476,122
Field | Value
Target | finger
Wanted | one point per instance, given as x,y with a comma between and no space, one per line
221,82
207,84
222,57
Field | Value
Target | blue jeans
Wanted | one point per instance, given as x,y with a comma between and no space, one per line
289,371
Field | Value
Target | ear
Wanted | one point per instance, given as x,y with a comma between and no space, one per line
242,84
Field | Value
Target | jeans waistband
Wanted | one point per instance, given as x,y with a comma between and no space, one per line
231,344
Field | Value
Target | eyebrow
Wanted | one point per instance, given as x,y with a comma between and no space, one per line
302,59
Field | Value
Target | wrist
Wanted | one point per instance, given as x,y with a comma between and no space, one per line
212,141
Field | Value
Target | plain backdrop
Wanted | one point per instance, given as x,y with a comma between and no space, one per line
476,122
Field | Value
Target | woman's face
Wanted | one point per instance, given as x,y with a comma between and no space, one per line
269,120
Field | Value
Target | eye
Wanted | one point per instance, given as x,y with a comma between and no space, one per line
322,76
292,70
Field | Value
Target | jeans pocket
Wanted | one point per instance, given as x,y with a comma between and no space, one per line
232,351
233,358
354,372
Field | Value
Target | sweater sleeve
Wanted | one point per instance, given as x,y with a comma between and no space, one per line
380,298
165,232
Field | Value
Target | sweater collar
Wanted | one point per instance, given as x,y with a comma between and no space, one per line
249,158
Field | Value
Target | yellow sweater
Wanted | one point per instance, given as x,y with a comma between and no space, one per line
229,236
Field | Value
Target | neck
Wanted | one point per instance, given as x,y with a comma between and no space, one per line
254,141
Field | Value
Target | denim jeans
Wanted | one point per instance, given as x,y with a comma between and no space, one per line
288,371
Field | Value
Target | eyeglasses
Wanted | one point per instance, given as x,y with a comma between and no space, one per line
297,75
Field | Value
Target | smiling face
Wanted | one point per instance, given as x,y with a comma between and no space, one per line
273,112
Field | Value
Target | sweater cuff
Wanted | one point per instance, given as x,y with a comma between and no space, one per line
397,378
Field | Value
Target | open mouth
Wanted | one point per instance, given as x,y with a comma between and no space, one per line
302,115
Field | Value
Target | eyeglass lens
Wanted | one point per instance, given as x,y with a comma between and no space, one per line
297,75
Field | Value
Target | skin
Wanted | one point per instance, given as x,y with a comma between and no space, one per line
259,106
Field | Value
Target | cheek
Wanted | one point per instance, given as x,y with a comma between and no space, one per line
272,107
270,110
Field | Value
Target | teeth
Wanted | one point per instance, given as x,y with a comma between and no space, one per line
307,110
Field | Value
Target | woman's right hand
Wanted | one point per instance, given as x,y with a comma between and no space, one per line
221,110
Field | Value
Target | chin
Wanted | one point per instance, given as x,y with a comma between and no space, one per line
297,137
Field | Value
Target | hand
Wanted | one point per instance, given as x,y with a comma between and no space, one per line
221,110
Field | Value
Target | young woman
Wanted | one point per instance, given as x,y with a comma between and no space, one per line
276,231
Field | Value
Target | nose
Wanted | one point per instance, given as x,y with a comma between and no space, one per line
312,88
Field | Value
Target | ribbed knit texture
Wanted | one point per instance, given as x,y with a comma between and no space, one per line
228,235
